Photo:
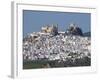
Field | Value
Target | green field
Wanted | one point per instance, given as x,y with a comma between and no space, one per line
53,64
34,64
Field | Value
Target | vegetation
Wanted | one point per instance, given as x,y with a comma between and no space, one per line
54,64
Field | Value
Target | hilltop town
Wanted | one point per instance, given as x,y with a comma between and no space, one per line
69,48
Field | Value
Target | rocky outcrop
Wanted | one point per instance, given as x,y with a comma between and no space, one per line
74,30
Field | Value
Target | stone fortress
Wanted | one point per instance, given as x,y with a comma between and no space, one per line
53,29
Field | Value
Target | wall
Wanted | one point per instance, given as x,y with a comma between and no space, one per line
5,41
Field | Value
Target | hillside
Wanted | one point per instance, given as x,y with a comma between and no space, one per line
87,34
71,50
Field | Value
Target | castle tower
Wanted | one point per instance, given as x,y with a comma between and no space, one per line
53,29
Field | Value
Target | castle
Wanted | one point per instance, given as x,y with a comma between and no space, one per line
53,29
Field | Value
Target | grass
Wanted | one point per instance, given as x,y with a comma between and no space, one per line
35,64
54,64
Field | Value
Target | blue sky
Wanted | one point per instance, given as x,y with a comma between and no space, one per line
34,20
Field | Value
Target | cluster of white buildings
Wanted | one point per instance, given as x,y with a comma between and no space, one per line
60,47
